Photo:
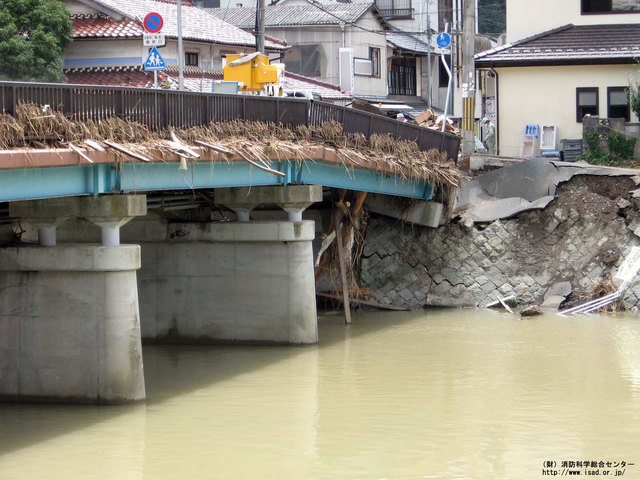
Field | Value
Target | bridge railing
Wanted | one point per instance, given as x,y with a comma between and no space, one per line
159,109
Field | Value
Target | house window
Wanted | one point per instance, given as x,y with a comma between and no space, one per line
618,103
207,3
304,60
586,102
395,9
609,6
191,59
374,55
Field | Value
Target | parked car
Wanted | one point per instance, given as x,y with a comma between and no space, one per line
309,95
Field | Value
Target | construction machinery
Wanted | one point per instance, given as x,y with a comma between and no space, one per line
254,74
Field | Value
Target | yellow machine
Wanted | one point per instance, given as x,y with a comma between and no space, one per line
253,73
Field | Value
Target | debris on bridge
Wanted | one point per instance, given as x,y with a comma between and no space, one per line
36,126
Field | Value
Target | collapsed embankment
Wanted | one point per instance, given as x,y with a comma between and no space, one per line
580,237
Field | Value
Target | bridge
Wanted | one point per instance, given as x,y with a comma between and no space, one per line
75,302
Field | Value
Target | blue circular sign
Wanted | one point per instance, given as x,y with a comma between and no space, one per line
153,22
443,40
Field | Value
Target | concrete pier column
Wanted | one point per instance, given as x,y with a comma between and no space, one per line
69,315
249,282
230,282
47,233
69,324
112,212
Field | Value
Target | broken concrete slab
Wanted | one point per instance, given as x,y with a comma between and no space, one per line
523,186
491,210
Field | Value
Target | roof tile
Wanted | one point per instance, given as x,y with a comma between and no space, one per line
569,44
196,24
294,15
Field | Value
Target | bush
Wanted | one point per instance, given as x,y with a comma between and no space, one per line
619,148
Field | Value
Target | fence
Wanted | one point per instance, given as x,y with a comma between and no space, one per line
159,109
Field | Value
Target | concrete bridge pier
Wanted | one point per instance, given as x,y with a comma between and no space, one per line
69,318
245,281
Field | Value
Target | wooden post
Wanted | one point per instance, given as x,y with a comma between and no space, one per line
343,271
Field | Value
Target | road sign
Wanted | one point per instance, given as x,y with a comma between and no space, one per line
443,40
151,39
153,22
154,61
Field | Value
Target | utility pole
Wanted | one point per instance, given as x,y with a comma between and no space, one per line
180,48
260,26
468,76
429,73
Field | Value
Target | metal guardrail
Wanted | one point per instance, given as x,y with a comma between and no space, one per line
158,109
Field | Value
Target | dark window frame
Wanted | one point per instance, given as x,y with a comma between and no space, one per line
188,59
627,113
580,109
603,7
207,3
375,62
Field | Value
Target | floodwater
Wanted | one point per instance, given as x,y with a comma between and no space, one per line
403,395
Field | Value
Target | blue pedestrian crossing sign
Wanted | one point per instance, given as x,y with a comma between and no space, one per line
154,61
443,40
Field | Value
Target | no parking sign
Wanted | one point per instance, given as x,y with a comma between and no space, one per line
153,22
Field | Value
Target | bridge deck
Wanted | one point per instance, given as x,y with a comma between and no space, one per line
44,173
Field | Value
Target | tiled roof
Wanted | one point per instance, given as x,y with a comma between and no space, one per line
196,24
296,15
196,81
569,45
100,26
124,77
411,43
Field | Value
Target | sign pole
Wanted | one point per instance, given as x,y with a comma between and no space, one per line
444,41
180,48
155,79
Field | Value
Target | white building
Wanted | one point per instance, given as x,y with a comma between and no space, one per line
564,60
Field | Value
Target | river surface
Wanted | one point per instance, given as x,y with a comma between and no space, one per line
410,395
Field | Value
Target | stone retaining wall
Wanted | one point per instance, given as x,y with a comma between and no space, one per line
581,237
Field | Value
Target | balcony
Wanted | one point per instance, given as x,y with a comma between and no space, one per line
395,9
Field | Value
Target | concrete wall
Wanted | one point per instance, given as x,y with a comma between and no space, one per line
525,18
547,96
69,324
581,237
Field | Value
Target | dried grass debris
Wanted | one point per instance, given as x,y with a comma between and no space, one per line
37,126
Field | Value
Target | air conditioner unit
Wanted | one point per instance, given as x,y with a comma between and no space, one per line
363,66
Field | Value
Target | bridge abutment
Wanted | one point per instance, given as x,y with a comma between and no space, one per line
69,315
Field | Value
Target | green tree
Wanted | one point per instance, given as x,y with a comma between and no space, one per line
33,35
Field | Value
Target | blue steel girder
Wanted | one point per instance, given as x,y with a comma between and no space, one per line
33,183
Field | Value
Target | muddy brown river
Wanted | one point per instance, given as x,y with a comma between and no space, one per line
449,394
